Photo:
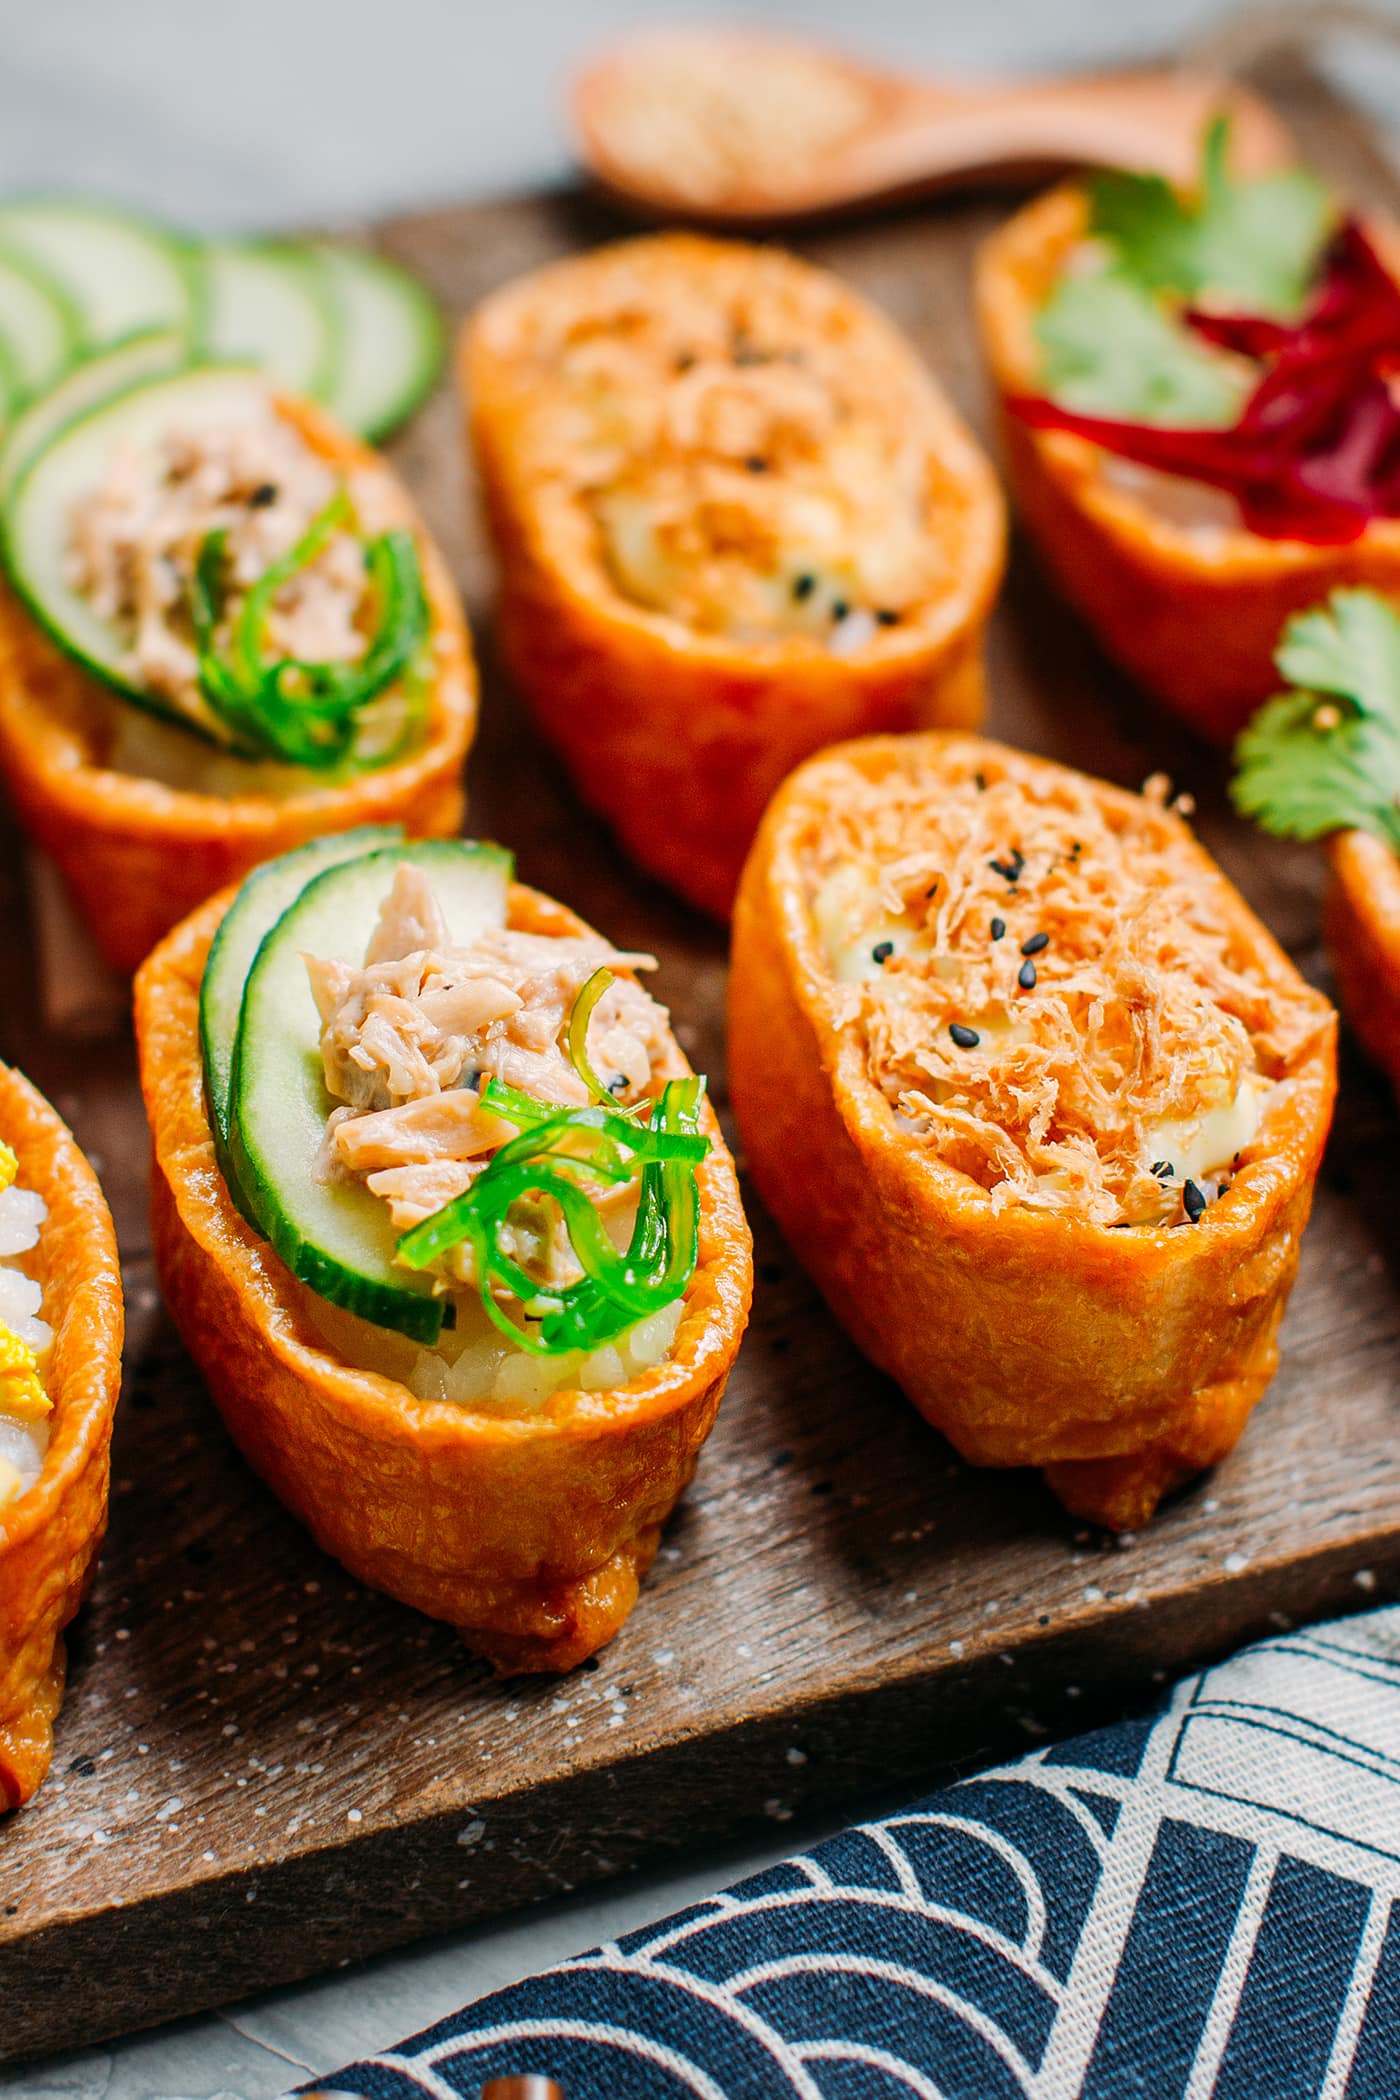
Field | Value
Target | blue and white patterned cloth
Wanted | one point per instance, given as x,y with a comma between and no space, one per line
1204,1903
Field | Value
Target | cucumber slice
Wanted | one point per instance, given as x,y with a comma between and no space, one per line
270,306
10,394
114,371
336,1237
120,271
34,529
260,903
391,339
38,321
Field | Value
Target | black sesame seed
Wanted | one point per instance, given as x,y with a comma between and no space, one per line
262,495
981,781
1007,869
998,929
618,1083
887,617
839,608
1025,977
965,1038
756,463
803,586
83,1766
1036,945
1163,1169
882,951
1193,1202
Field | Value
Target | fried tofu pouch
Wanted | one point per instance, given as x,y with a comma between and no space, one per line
1361,920
1193,611
49,1536
137,854
1120,1361
530,1534
735,520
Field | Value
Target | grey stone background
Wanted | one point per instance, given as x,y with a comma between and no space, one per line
282,112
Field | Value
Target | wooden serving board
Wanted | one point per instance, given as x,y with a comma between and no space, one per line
264,1769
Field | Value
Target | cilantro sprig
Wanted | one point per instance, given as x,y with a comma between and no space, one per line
1115,341
1325,756
1110,348
1251,243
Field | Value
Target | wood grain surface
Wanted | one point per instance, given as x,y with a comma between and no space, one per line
264,1770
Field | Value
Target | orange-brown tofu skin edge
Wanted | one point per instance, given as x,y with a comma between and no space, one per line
136,853
1193,609
50,1535
1120,1357
735,521
531,1533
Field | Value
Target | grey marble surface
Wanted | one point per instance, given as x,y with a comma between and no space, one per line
279,112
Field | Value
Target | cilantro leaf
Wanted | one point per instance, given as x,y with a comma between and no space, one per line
1252,242
1350,648
1327,757
1110,348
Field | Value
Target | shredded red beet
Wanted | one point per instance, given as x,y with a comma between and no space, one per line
1315,454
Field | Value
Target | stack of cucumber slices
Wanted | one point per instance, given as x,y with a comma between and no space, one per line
84,285
113,328
260,1034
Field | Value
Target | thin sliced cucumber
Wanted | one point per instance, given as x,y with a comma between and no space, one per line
10,393
391,339
143,356
120,271
270,305
335,1236
38,321
254,912
37,519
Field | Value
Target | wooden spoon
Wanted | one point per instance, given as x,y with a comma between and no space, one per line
737,126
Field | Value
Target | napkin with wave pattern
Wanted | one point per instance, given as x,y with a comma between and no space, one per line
1206,1903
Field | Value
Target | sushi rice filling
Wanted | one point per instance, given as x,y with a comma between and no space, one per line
25,1338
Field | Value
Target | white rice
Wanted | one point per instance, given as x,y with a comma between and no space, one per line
22,1213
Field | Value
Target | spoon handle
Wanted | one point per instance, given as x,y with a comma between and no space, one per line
1138,121
703,141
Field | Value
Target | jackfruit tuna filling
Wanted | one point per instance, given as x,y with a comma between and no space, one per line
409,1042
